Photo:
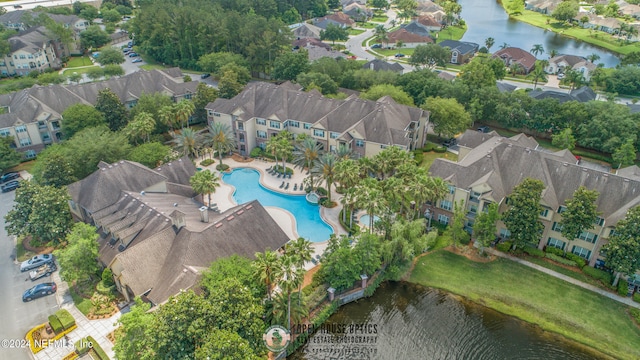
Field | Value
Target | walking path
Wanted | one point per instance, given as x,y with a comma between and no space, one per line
622,299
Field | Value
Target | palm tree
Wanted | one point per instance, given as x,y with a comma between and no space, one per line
166,115
347,175
301,251
141,126
489,42
504,45
575,78
265,268
538,74
183,111
553,53
306,153
187,141
205,182
343,152
537,49
272,147
593,58
290,276
369,197
220,138
325,168
277,309
285,148
381,33
419,190
515,68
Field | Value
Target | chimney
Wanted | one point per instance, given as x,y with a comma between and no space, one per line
204,214
177,219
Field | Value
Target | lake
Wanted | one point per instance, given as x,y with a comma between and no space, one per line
407,321
487,18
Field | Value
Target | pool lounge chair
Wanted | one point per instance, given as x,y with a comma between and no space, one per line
287,187
295,187
269,168
282,185
279,175
288,176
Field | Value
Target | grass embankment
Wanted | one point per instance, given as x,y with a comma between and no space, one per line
535,297
598,38
82,70
77,61
452,33
429,157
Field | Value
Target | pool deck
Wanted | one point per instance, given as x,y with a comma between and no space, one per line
223,197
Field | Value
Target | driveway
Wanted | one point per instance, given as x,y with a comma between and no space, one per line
17,317
354,44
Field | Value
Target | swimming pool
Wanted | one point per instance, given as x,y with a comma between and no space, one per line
364,219
309,224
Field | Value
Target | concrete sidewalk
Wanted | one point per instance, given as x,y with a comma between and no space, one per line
622,299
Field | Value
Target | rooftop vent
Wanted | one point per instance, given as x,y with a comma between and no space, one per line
218,225
175,204
230,218
565,164
240,212
248,207
142,193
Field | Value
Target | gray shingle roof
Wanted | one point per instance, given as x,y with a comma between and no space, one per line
463,47
381,65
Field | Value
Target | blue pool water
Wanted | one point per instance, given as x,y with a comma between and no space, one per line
308,221
364,219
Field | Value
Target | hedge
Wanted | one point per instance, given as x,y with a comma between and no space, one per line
82,346
55,324
256,152
534,251
321,191
428,146
554,250
418,157
561,260
207,162
598,274
66,319
97,349
345,225
623,287
222,167
504,247
577,259
440,149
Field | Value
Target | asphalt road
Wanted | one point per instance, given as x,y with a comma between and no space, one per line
17,317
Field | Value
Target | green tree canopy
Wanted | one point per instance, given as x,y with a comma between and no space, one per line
112,108
9,157
522,216
623,248
484,228
289,65
447,116
625,155
110,55
396,93
80,116
56,171
431,55
334,32
94,37
564,139
322,82
581,213
566,10
113,70
205,182
150,154
204,95
79,258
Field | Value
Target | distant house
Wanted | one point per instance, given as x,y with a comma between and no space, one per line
381,65
427,7
410,40
598,22
310,42
32,50
155,236
340,19
542,6
627,9
16,20
461,51
446,76
429,22
358,12
417,28
307,31
317,52
563,62
583,94
514,55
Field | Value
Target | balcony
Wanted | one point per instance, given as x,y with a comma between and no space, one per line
474,200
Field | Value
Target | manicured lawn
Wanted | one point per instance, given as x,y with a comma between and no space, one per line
429,157
152,67
355,32
83,70
366,25
380,18
84,305
77,61
26,166
452,33
574,274
535,297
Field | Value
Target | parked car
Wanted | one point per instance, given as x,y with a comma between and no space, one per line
400,55
133,54
10,186
136,60
9,176
376,46
449,142
560,76
36,261
484,129
204,76
39,291
42,271
130,44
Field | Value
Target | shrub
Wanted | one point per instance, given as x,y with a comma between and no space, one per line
561,260
577,259
465,240
504,246
82,346
107,277
55,324
623,287
636,297
598,274
418,157
66,319
321,191
289,171
534,251
207,162
256,152
635,313
440,149
345,225
428,146
97,349
101,288
222,167
554,250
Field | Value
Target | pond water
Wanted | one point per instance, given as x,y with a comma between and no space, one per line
487,18
414,322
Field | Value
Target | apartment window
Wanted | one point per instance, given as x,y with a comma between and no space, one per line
588,237
473,209
21,128
556,227
216,114
582,252
599,221
188,96
359,143
307,126
240,125
25,142
30,154
612,232
562,209
22,57
241,138
56,125
262,134
261,122
5,132
446,204
295,124
318,133
452,189
274,124
505,233
383,146
30,56
544,212
556,243
334,135
443,219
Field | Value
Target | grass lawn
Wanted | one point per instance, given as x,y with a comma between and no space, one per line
83,70
452,33
26,166
152,67
21,253
535,297
84,305
77,61
366,25
380,18
355,32
429,157
574,274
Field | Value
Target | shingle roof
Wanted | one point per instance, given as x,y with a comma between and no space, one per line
463,47
503,163
307,31
18,17
582,94
518,55
381,65
407,37
416,28
32,40
428,20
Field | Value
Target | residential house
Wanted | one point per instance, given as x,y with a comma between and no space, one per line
561,63
427,7
542,6
358,12
446,76
32,50
307,31
339,19
489,167
344,3
429,22
598,22
33,116
461,51
16,20
263,110
316,52
381,65
155,236
408,39
583,94
505,87
626,9
310,42
514,55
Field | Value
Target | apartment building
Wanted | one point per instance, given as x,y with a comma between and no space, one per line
367,127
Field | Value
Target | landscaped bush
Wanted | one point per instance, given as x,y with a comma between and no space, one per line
578,260
55,323
207,162
104,290
636,297
598,274
107,277
635,313
345,225
321,191
82,346
222,167
66,319
623,287
554,250
418,157
428,146
97,349
534,251
440,149
256,152
504,246
465,239
561,260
